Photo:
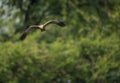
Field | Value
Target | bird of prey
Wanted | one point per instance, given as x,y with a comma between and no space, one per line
42,27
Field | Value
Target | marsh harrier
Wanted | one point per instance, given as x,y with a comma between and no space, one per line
42,27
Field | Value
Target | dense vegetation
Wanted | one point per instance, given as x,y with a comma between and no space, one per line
87,50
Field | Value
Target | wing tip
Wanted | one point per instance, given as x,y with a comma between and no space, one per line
23,36
61,23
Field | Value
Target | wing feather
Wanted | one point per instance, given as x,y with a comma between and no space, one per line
59,23
25,33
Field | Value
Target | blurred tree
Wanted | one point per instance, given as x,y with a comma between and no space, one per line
98,13
87,50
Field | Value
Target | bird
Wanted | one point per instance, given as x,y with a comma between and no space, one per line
42,27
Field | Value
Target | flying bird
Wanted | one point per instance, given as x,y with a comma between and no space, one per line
42,27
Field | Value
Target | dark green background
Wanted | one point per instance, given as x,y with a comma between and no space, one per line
86,50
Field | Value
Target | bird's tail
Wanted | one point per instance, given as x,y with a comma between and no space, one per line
42,30
61,23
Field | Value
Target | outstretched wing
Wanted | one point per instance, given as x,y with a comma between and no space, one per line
59,23
25,33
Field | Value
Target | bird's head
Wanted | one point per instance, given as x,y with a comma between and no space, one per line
41,26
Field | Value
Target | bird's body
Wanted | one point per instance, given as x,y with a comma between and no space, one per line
41,27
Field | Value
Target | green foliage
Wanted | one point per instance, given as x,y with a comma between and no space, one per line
82,60
87,50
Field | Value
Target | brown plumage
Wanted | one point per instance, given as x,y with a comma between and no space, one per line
41,27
